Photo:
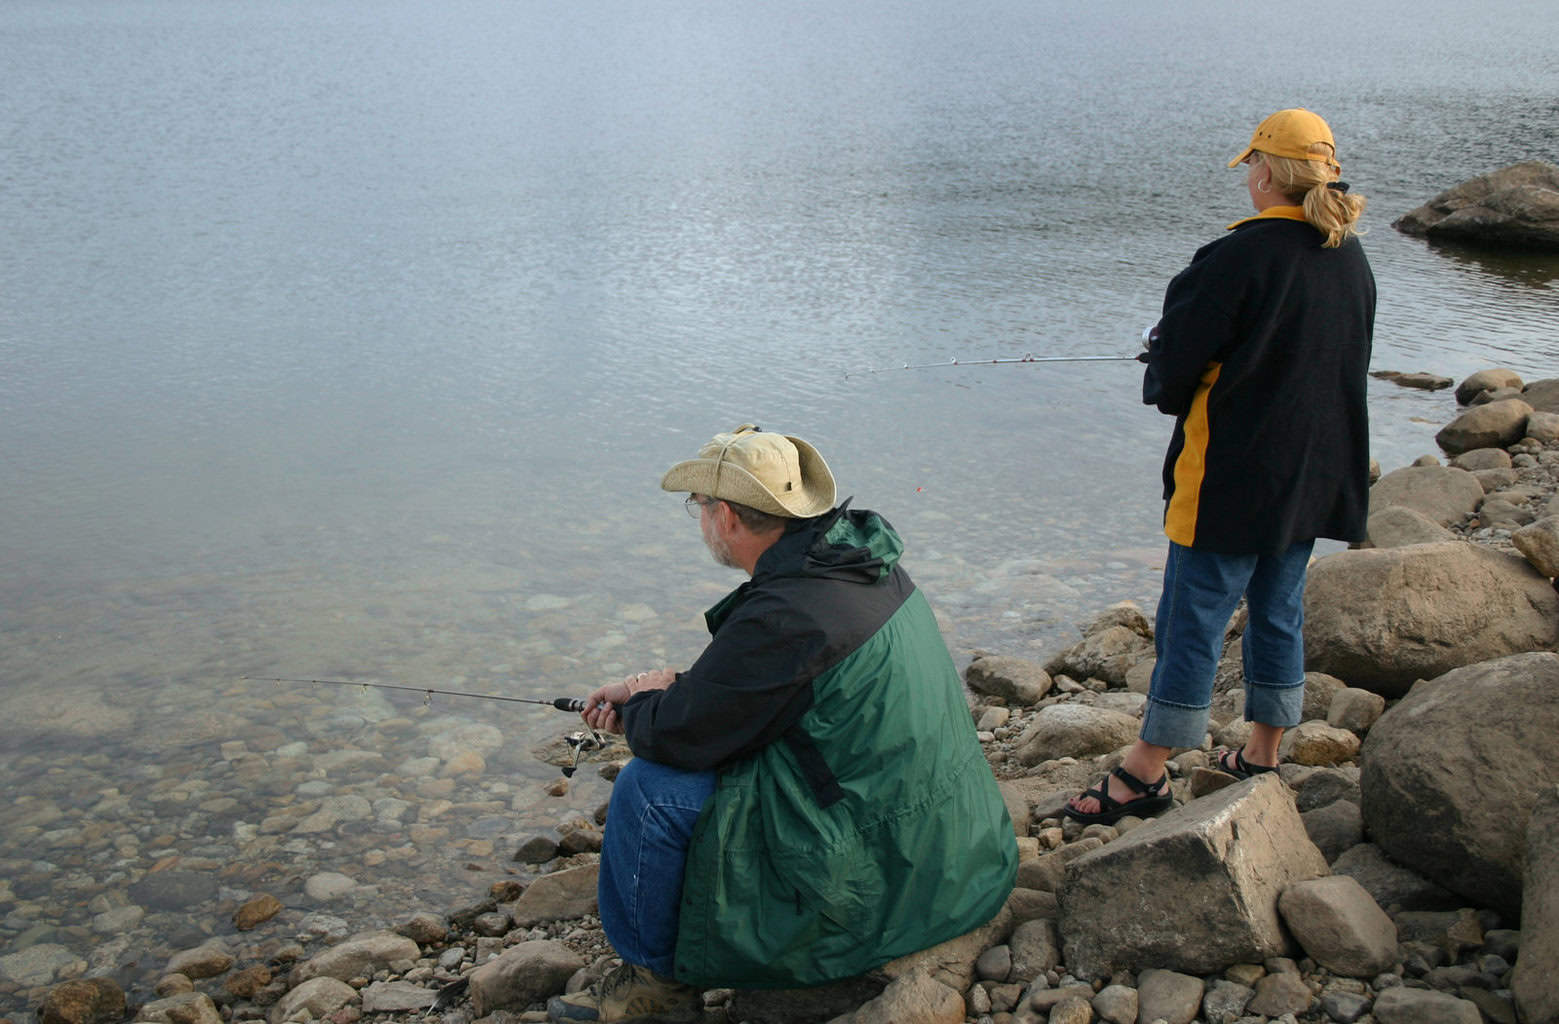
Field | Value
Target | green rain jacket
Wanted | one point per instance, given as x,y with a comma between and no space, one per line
855,819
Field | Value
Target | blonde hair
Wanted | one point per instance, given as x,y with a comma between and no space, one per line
1331,211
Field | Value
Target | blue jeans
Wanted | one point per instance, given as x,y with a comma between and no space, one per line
649,824
1201,591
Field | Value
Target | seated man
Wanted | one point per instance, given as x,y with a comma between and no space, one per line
808,801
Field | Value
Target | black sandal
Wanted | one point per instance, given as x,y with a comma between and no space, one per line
1154,799
1241,768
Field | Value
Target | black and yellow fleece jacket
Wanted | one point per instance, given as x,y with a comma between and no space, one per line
1262,357
855,818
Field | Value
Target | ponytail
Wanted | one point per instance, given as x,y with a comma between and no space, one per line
1313,185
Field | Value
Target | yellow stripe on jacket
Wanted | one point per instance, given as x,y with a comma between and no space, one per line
1191,465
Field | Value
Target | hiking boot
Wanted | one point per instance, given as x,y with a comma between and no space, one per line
628,992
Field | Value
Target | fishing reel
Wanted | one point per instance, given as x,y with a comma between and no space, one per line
582,742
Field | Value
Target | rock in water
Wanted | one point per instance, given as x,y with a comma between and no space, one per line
1515,207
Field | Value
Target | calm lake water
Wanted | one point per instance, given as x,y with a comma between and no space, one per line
350,340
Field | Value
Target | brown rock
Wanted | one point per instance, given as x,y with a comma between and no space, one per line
257,911
83,1001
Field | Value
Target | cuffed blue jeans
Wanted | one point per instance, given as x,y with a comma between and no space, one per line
649,824
1201,591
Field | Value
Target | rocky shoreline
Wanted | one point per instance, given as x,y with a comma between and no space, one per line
1402,866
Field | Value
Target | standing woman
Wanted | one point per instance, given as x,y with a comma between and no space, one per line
1261,356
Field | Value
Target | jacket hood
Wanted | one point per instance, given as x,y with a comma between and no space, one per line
844,544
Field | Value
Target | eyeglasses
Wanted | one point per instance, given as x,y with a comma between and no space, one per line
695,506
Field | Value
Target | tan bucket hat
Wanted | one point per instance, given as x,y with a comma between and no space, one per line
773,473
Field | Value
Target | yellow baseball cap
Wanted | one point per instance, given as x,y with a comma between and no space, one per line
1291,133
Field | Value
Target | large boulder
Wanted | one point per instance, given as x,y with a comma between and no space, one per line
1536,984
1194,890
1451,772
1494,424
1443,495
1383,618
1514,207
1107,651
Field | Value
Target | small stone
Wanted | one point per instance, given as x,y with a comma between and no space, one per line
255,912
1116,1004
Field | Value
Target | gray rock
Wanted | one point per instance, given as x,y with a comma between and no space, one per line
1015,680
1315,788
1539,543
1536,983
1451,772
1224,1001
359,956
1355,710
1344,1007
916,996
995,964
1444,495
1231,853
396,997
1542,395
1108,654
174,889
1320,688
1383,619
1485,380
38,965
1392,886
1397,526
526,973
557,897
1335,828
1074,730
311,1000
1279,994
1116,1004
1513,207
1035,948
1340,926
1492,480
1402,1005
1168,995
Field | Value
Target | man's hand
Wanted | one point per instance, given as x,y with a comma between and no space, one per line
601,705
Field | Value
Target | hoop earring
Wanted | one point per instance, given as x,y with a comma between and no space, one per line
1262,186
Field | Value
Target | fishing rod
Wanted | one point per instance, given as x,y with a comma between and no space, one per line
561,703
582,741
1027,357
